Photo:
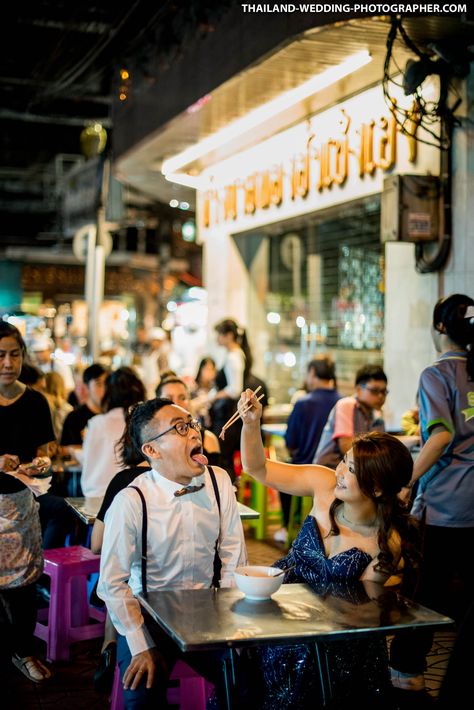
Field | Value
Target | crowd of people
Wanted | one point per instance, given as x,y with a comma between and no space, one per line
145,438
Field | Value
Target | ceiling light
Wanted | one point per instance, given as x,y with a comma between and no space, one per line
263,113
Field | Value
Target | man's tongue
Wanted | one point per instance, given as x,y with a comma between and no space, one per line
200,458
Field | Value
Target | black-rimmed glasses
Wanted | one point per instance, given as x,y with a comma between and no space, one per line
181,428
376,390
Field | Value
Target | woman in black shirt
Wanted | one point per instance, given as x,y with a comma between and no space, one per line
25,433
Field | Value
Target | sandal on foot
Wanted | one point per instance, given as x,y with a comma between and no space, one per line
32,668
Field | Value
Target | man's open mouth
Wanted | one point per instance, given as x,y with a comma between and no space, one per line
198,456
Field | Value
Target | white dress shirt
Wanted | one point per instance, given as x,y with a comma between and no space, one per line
182,532
99,459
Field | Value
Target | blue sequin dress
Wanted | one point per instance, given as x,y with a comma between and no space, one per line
358,669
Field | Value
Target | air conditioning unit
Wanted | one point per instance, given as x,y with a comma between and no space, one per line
410,208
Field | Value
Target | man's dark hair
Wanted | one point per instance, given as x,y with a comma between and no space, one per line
323,367
93,372
170,380
369,372
142,415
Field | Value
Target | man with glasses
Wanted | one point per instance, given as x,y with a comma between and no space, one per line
353,415
186,517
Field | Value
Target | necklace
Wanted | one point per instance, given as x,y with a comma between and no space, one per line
356,525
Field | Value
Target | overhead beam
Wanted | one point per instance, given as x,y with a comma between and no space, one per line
91,27
7,114
74,91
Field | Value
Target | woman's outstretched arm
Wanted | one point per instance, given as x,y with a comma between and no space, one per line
301,480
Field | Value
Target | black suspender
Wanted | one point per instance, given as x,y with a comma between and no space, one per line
144,540
216,577
217,560
216,489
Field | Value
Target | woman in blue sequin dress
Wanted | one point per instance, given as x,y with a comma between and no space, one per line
358,531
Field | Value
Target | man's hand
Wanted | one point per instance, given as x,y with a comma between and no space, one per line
142,664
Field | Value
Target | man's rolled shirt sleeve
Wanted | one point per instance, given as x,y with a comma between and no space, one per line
119,548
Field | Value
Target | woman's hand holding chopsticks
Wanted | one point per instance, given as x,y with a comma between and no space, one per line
249,406
251,400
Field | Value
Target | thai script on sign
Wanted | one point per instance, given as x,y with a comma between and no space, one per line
320,166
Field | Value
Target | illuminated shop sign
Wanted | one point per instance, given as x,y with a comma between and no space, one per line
302,168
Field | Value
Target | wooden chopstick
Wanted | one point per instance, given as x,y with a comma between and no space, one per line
236,414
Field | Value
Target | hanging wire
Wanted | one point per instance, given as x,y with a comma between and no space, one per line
424,115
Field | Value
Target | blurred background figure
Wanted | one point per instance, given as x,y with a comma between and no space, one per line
56,395
353,415
78,395
72,436
100,463
140,345
310,412
203,389
33,377
230,382
42,349
155,359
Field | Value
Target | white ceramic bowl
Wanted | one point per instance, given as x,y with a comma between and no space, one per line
258,582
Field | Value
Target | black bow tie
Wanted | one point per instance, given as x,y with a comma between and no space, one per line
188,489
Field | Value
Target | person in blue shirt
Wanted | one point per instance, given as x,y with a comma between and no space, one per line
444,471
306,422
309,415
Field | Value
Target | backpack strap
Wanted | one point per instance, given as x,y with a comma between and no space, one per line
144,540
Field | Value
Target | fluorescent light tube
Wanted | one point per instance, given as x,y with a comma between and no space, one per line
264,112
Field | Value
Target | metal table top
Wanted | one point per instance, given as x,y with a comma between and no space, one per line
87,509
200,619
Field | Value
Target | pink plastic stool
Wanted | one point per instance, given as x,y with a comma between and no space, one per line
69,618
191,694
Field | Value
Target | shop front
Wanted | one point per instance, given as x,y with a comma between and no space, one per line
294,251
52,298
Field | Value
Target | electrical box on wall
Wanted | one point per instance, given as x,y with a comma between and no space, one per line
410,208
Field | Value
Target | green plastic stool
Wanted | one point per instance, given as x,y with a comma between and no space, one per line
299,510
258,501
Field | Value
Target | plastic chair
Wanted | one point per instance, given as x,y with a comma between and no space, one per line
69,618
192,692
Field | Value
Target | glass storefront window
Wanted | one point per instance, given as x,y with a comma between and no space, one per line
316,286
